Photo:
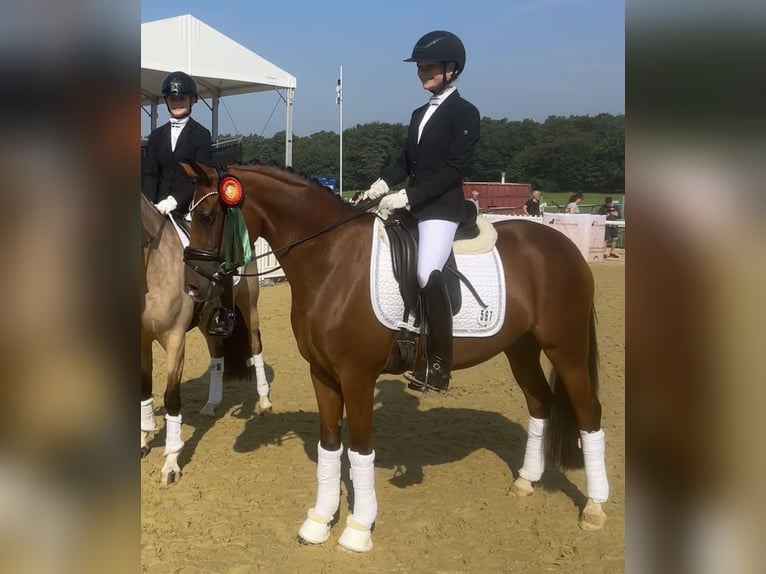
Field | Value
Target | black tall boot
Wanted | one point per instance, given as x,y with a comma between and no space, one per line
438,314
221,322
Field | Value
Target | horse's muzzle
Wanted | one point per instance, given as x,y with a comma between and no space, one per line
202,277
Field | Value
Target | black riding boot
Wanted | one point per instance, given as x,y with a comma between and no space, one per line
438,313
221,322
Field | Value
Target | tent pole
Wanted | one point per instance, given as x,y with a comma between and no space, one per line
214,126
153,115
290,93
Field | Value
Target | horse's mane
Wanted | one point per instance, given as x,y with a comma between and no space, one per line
285,174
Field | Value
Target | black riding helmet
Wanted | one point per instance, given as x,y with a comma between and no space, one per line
440,46
179,84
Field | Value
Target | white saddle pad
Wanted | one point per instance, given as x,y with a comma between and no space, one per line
483,270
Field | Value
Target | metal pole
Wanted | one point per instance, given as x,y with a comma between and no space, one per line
339,99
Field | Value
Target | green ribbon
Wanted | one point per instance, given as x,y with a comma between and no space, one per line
237,240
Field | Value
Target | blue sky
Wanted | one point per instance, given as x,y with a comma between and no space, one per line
525,58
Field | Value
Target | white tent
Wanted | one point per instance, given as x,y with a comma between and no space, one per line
220,66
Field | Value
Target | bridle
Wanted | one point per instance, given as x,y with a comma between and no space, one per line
194,256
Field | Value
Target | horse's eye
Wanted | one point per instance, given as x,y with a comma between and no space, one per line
206,218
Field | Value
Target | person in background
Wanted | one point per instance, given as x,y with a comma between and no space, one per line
163,180
532,206
475,200
573,205
441,139
610,231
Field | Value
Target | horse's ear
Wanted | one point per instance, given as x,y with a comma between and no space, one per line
202,173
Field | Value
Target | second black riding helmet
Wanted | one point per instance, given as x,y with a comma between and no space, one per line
439,46
179,84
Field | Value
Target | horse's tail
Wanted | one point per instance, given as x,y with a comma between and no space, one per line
562,446
236,351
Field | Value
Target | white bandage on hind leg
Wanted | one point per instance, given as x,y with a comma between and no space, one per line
596,482
173,442
363,479
262,384
148,424
215,391
328,481
534,455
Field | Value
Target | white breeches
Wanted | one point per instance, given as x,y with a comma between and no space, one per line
434,246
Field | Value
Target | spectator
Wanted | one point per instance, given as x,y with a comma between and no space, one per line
532,206
611,232
573,206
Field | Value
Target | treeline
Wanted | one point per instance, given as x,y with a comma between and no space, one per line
576,153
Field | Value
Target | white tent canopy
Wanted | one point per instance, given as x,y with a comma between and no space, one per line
220,66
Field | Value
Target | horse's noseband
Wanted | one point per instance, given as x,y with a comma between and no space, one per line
192,255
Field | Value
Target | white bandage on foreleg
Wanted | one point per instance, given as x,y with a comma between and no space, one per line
328,481
596,482
173,442
262,384
534,455
363,479
148,424
215,391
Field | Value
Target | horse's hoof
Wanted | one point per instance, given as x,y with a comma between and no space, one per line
170,477
522,487
315,529
208,410
145,450
264,406
356,537
593,518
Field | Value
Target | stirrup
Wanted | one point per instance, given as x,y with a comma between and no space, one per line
420,381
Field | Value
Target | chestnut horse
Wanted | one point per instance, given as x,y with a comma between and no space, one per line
166,315
324,247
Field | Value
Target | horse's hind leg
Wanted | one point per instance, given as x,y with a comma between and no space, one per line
316,528
524,358
576,411
215,383
247,300
175,346
148,423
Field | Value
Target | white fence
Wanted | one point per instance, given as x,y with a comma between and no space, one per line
268,265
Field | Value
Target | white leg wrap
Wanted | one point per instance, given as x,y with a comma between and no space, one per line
357,535
316,528
328,481
596,483
173,442
260,374
215,391
148,423
534,455
363,479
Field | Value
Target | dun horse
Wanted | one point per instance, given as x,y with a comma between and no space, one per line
166,315
325,253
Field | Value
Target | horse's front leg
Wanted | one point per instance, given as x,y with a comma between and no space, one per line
316,528
175,348
148,424
359,392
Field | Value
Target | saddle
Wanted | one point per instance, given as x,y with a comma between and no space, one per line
402,232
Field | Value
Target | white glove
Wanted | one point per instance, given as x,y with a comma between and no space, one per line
166,205
392,202
378,189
